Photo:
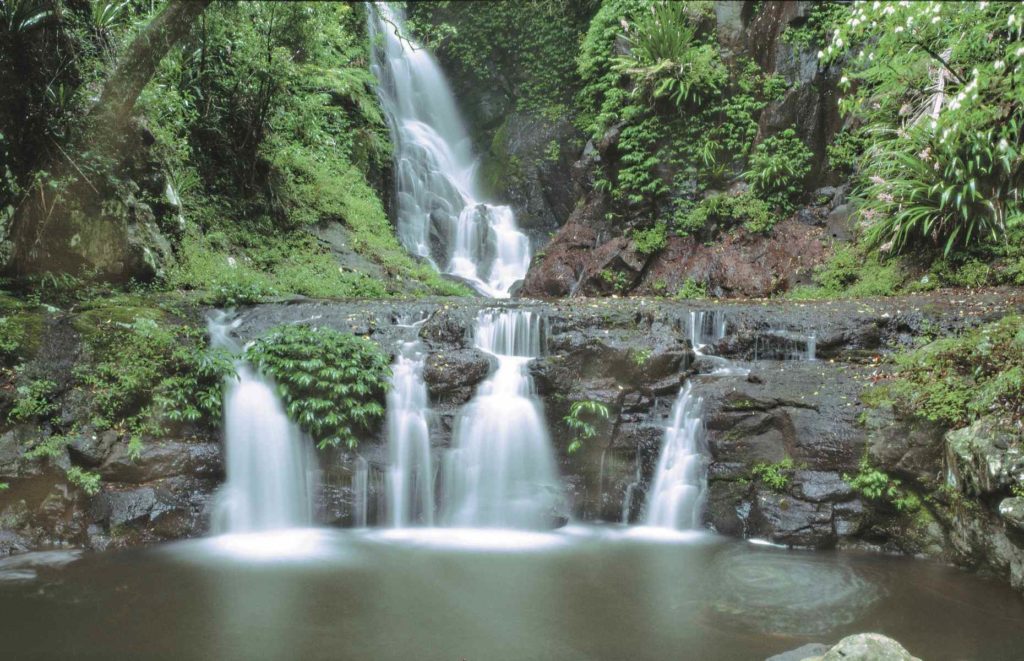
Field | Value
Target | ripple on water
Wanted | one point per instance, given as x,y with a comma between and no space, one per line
789,592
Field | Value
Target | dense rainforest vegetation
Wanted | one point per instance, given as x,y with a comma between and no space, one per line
158,159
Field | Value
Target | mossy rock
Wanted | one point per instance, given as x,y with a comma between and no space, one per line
94,321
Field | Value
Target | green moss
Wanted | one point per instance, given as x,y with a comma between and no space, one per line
955,380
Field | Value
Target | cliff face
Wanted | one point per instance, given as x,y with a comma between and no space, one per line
786,436
593,255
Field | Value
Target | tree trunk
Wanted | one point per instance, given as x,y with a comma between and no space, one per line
66,230
138,63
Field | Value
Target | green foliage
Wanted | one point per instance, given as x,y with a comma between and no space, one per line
581,420
937,93
666,60
651,240
640,356
775,476
692,290
851,272
476,41
145,372
875,484
955,380
778,167
932,190
87,481
34,401
822,20
845,151
722,212
617,280
332,383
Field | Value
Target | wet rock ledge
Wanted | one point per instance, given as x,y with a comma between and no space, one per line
805,417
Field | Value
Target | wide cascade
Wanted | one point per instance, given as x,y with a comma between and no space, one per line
270,477
440,213
676,498
501,471
410,474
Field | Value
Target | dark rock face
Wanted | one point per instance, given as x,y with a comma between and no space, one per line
804,412
529,167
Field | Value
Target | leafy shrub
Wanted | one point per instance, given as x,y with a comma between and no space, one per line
692,290
722,211
778,167
34,401
936,93
955,380
941,191
146,372
87,481
853,273
666,60
651,240
332,383
581,419
775,476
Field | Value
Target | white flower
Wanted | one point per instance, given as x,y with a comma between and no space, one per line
982,5
935,19
998,65
844,80
1003,145
899,28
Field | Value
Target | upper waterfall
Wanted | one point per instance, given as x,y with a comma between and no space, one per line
440,214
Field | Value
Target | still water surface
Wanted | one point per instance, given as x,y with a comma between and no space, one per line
579,593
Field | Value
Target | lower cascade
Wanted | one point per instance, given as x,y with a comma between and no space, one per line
270,478
676,497
501,471
410,475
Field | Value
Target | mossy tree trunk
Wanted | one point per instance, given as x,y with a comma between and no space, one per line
53,227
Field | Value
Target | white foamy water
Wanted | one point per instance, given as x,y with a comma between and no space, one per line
676,497
441,215
501,469
269,463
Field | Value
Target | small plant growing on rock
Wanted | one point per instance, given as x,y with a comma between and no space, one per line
577,421
332,383
775,476
875,484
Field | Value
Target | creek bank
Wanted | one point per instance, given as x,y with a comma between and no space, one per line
631,355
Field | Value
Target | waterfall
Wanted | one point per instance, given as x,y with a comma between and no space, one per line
410,476
268,461
440,214
676,498
501,470
706,327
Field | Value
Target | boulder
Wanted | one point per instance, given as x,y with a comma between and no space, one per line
868,647
161,459
985,457
454,375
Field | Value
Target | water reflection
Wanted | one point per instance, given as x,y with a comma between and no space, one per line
576,593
